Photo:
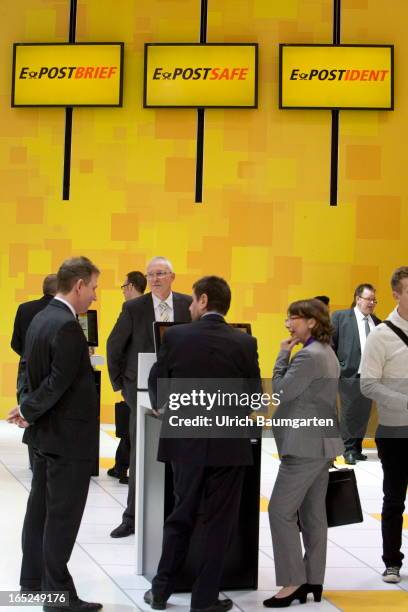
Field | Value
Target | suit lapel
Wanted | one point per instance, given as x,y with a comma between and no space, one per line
178,306
355,335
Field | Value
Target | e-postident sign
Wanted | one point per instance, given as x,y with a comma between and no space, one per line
201,75
336,76
67,74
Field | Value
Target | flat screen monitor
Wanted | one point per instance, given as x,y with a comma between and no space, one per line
159,329
89,323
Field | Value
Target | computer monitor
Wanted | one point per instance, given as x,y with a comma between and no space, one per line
89,323
159,329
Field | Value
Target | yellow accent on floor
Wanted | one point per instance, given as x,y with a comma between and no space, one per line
368,601
110,432
404,519
263,506
106,462
369,443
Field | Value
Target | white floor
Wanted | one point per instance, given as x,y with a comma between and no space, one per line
103,568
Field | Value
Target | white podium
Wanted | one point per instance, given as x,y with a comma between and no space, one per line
145,363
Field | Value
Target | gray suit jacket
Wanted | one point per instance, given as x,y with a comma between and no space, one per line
346,341
308,387
133,334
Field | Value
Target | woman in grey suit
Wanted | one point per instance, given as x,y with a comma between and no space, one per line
307,386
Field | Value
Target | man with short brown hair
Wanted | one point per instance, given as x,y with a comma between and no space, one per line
59,412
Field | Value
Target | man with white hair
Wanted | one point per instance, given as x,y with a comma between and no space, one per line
133,334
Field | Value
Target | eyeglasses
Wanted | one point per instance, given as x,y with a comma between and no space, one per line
293,318
159,274
370,300
125,285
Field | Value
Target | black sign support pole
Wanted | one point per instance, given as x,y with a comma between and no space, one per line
334,166
68,112
200,115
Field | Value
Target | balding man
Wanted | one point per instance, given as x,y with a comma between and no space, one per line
133,334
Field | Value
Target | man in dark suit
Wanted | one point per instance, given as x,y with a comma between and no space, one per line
131,335
206,469
24,315
133,287
351,327
59,413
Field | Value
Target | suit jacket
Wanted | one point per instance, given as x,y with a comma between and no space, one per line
308,387
61,399
133,334
24,315
346,341
209,349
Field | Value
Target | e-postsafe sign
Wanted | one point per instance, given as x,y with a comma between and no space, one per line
336,76
67,74
201,75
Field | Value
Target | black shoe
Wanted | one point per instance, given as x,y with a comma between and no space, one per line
349,458
76,606
156,603
112,472
316,589
360,457
122,531
222,605
124,480
284,602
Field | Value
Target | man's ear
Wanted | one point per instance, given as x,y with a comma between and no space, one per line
203,300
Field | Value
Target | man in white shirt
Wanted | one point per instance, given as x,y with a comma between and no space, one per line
131,335
384,378
351,328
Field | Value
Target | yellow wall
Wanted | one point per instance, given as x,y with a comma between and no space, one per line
265,223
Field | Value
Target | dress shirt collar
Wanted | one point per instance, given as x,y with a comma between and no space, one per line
212,312
168,300
360,316
60,299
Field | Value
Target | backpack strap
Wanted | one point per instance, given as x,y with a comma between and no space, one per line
402,335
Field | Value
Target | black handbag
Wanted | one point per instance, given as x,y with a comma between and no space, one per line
122,414
343,505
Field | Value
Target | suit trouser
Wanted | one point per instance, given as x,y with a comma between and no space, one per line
20,386
130,395
354,414
55,506
122,456
300,490
216,492
393,453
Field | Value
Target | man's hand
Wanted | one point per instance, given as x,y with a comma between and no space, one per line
289,343
15,418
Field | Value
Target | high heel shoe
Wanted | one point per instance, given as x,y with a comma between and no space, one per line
316,589
284,602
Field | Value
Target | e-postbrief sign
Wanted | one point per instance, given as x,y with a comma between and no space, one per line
67,74
336,76
201,75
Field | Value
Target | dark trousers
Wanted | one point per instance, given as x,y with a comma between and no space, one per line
130,395
354,414
122,456
215,492
55,506
393,453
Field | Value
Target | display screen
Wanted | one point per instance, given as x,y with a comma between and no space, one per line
359,77
178,75
67,74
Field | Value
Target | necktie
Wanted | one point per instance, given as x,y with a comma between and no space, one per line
366,326
164,312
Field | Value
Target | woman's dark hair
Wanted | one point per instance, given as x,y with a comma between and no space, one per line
314,309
